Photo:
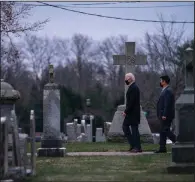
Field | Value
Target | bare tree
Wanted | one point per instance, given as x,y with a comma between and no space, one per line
114,74
12,15
20,77
38,53
62,47
162,49
65,75
12,25
82,52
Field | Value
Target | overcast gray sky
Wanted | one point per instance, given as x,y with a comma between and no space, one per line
64,24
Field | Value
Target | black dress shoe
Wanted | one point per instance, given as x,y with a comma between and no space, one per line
160,151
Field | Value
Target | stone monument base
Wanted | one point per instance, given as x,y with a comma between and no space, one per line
51,143
146,138
116,138
183,158
115,133
122,139
187,168
51,152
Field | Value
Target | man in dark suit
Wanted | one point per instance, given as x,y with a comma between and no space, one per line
132,114
165,113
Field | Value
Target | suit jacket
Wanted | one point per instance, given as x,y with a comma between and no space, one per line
166,104
132,110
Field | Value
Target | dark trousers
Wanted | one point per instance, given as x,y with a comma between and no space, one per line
133,136
165,133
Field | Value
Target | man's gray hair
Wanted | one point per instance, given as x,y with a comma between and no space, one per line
131,76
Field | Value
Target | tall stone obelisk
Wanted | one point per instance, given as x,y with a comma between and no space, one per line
51,142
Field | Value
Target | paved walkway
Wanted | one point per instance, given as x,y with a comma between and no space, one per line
106,153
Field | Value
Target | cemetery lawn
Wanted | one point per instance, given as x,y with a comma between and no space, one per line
104,147
107,168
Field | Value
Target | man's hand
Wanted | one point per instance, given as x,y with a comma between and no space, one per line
124,114
164,118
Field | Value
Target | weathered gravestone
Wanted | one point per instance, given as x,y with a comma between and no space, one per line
71,132
8,98
71,129
106,127
89,133
23,144
183,152
144,129
75,126
83,136
78,130
33,142
130,60
100,137
89,119
51,143
16,163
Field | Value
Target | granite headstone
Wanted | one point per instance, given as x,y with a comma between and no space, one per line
100,137
183,152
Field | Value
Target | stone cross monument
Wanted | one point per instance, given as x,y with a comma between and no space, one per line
183,152
51,142
130,60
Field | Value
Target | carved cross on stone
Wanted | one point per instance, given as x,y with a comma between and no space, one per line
51,74
130,60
